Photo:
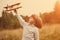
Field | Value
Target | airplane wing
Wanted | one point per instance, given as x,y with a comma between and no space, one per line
14,9
12,5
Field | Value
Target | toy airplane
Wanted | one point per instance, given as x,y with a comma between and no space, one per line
11,5
11,8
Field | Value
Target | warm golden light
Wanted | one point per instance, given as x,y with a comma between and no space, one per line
31,6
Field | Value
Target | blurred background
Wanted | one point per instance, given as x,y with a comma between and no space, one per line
48,10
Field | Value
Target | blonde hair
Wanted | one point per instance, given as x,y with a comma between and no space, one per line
38,21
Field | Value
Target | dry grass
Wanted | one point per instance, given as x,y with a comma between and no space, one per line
48,32
11,34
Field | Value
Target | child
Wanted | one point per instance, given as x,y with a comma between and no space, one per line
30,28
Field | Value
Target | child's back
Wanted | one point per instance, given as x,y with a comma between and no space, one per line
30,32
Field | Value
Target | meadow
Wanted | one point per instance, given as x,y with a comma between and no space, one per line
47,32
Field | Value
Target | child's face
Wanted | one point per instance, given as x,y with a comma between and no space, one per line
31,20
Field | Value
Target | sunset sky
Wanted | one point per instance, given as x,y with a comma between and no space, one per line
30,6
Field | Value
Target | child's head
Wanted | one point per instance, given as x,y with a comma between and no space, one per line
36,20
31,20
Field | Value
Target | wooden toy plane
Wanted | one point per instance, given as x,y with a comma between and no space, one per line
12,5
11,8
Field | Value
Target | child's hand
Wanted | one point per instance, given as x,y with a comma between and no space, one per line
15,11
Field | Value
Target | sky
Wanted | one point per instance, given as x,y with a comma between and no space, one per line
30,6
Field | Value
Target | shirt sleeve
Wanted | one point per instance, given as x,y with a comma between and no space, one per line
21,20
36,37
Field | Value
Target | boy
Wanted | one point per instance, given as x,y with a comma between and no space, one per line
30,29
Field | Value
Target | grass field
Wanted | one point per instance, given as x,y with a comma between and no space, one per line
47,32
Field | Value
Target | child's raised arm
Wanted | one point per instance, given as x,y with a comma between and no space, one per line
21,20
